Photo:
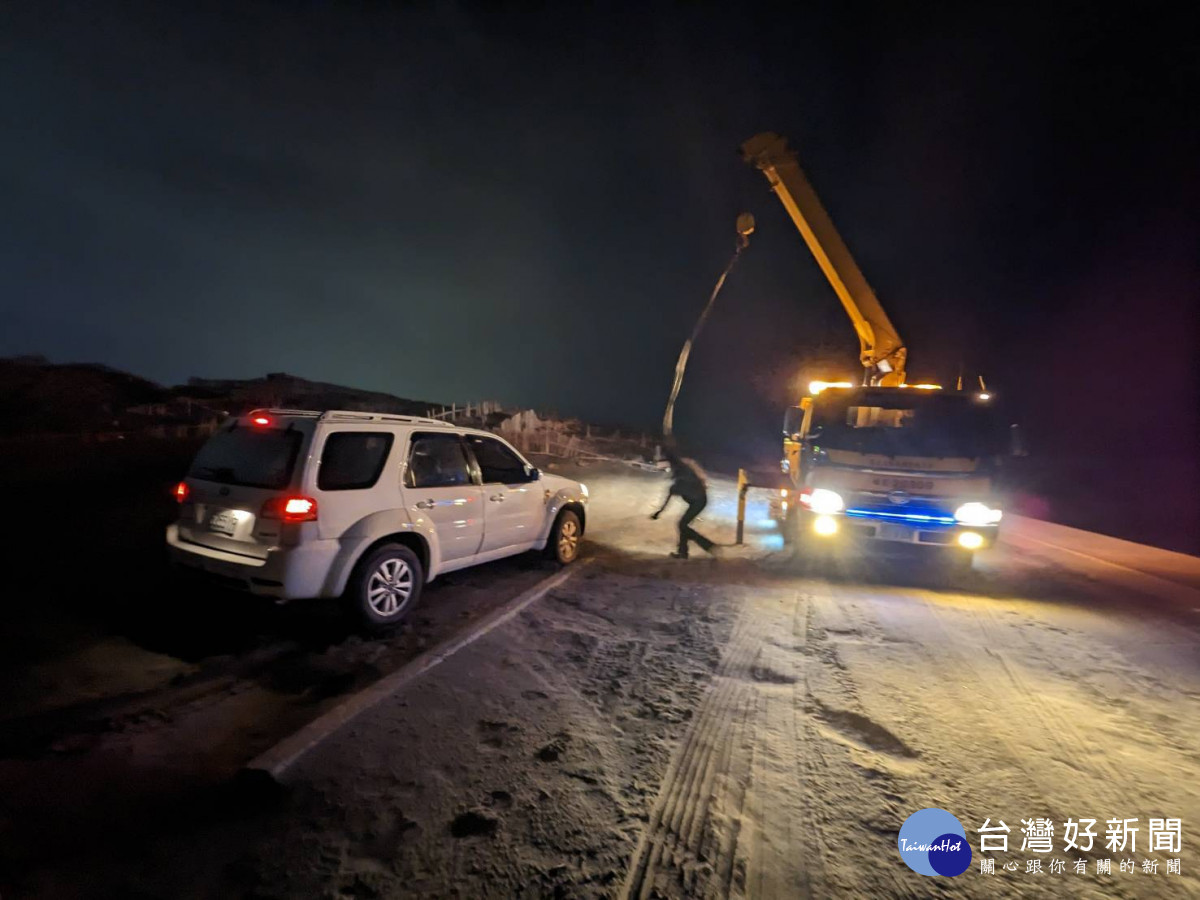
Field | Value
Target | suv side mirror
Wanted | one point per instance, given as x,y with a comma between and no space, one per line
532,473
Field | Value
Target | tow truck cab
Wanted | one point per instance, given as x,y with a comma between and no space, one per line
912,464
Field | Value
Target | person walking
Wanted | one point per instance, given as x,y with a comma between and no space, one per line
689,484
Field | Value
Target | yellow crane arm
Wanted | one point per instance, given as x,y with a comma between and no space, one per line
883,354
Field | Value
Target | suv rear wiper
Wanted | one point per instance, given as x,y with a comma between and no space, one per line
220,473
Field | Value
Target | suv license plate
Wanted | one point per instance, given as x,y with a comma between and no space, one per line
890,531
223,523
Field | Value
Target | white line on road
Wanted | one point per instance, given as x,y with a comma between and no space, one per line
280,757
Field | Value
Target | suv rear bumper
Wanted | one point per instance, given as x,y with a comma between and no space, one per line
287,573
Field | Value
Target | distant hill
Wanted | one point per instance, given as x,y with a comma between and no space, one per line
41,397
278,389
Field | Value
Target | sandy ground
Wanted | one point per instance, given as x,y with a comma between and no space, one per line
755,726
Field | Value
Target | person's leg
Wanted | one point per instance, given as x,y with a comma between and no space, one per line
682,552
687,533
705,544
685,530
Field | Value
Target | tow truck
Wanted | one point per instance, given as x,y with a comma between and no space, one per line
883,460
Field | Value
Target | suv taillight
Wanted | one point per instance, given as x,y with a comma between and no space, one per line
182,492
290,509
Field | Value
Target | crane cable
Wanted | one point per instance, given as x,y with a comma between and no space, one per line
745,227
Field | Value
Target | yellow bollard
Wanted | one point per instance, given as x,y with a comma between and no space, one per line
743,484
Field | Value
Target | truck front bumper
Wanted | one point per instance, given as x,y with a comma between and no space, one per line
842,527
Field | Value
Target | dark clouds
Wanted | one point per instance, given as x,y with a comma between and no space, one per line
459,202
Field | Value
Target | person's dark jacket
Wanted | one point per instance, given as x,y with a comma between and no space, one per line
688,480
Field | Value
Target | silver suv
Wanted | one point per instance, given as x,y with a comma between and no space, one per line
297,504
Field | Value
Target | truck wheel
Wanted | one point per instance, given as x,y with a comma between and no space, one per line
960,562
563,543
385,586
954,566
790,526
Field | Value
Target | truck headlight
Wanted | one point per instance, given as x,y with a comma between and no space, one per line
977,514
969,540
825,502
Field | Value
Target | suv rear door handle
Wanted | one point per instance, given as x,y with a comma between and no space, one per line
426,504
497,498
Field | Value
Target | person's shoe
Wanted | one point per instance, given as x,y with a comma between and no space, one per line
677,555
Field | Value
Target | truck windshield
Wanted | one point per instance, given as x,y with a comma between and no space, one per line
249,457
895,422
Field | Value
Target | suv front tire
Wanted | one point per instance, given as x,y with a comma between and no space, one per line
563,544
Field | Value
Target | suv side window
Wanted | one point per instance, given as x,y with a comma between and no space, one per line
352,460
497,464
436,460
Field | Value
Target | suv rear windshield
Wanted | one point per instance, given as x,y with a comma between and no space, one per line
249,457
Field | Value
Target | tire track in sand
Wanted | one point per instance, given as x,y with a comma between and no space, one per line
706,771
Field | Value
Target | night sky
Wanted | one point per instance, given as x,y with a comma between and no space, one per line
458,202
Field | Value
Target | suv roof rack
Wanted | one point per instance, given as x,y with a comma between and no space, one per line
358,415
349,415
283,412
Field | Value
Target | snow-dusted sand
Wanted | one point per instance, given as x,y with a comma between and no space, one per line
751,726
738,728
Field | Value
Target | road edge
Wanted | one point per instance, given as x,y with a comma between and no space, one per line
276,760
1150,584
